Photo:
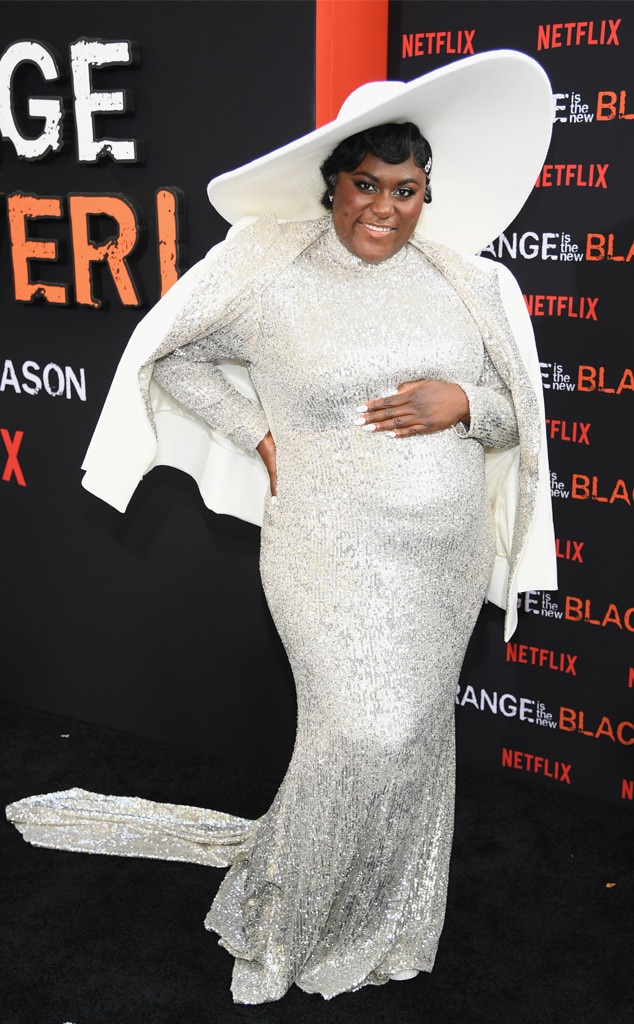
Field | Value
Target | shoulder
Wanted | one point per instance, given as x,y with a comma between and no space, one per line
508,281
508,288
268,228
471,265
257,242
475,271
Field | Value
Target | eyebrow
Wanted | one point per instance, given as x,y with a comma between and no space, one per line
404,181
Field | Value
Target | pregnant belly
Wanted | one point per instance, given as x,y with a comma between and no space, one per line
343,468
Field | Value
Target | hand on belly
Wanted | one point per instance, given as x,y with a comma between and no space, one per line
418,407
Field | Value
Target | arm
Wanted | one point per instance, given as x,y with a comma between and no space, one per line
189,375
491,413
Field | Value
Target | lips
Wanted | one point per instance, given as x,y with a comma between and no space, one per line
376,229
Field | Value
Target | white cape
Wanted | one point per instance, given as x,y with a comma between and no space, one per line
141,427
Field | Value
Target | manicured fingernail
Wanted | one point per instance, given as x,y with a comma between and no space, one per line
369,426
273,499
361,408
360,420
390,433
395,392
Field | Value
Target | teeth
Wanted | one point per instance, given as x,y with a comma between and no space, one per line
376,227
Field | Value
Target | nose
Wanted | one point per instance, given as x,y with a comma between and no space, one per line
383,204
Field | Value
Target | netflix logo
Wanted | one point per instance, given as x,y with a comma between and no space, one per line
578,175
421,44
576,307
535,763
12,468
568,430
579,33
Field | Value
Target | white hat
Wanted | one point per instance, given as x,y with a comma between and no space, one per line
488,120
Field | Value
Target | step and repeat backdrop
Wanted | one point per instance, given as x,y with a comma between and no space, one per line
556,703
113,117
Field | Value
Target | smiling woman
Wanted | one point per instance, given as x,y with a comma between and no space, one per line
385,372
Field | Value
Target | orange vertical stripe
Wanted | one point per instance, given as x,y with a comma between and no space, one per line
350,49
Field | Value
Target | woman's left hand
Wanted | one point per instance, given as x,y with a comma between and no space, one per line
418,407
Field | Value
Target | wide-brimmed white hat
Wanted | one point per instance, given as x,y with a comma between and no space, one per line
488,120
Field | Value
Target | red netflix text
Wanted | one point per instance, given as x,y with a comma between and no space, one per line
581,175
417,44
569,549
578,33
12,466
562,305
534,763
568,431
542,657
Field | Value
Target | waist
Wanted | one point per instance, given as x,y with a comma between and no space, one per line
363,465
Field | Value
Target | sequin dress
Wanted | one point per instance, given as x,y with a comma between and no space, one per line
375,558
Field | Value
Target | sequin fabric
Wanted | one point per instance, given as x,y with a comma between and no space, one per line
364,563
127,826
375,559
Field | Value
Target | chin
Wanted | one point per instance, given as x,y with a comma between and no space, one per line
376,249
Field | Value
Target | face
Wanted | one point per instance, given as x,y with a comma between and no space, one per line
376,207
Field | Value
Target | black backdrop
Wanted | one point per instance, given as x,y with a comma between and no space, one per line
557,704
154,622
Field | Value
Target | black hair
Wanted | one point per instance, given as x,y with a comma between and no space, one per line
392,143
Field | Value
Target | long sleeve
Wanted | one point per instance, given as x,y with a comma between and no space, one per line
491,412
189,375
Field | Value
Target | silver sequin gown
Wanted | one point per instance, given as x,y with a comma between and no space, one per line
375,560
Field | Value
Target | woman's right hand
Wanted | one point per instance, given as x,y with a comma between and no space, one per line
267,451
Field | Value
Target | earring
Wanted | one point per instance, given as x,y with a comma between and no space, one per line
330,199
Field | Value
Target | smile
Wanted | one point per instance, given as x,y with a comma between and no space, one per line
376,228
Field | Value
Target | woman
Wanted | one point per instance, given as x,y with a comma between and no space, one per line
384,365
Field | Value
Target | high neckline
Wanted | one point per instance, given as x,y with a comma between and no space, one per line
341,255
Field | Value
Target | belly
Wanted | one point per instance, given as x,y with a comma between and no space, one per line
349,468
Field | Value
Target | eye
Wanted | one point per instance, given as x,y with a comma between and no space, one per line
404,193
364,185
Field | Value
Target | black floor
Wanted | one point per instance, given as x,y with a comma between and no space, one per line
539,926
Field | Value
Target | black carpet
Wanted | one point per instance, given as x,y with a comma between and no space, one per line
539,925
